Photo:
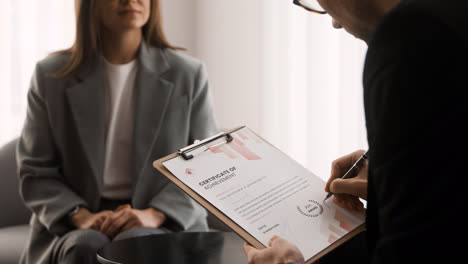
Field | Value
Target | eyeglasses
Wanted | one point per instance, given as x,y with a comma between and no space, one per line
310,5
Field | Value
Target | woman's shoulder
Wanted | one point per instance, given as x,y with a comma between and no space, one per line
174,64
53,62
181,61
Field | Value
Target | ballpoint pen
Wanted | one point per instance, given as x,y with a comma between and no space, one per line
352,172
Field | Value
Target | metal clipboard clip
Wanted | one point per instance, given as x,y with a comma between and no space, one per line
183,151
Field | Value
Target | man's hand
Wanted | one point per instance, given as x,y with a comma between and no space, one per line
83,219
348,191
125,218
280,251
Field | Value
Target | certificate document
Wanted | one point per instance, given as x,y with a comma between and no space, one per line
265,192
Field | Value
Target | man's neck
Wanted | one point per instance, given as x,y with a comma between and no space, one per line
383,8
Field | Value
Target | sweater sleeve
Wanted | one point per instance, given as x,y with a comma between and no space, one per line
416,97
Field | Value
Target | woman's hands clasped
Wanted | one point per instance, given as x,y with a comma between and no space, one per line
125,218
112,223
84,219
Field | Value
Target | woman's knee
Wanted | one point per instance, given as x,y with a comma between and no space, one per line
79,246
87,239
138,232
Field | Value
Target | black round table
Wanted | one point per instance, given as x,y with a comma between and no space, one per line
182,247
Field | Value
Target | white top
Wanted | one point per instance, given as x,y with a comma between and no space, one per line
117,178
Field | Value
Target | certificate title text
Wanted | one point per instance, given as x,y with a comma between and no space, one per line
219,178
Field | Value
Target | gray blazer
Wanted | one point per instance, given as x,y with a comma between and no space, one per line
61,149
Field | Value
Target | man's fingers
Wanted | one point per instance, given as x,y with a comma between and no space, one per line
248,249
272,239
254,255
355,187
341,165
250,252
348,202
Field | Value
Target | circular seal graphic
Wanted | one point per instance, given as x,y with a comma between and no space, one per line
310,209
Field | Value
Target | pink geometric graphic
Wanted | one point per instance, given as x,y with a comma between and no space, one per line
188,171
240,148
336,230
252,135
242,135
222,149
235,146
343,221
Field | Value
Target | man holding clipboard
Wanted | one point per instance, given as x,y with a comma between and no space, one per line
415,92
261,193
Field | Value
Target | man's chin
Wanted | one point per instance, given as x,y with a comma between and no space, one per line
336,24
362,35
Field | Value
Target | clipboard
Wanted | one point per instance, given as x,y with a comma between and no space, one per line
185,153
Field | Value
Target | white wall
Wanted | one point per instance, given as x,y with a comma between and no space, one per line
228,39
225,36
283,72
179,23
30,30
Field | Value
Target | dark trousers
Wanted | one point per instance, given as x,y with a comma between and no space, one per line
81,245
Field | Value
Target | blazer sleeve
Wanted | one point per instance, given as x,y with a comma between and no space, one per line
416,96
182,210
42,185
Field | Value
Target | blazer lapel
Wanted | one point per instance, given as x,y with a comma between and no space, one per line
153,94
87,102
